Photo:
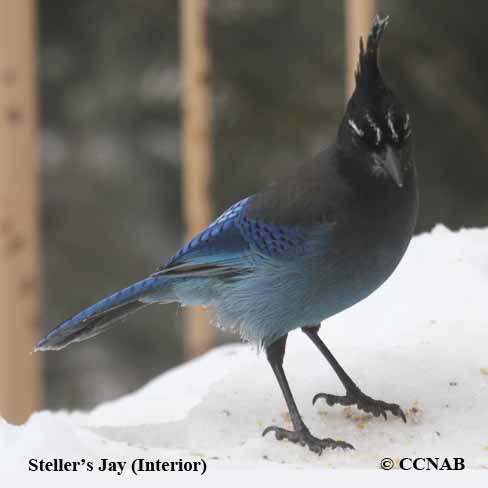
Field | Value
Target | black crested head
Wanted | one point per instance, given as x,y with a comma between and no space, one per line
375,131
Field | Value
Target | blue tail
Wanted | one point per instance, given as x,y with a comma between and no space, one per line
102,315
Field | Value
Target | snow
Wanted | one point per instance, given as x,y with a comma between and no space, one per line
420,341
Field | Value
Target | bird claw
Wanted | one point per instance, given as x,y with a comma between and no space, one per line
363,402
305,438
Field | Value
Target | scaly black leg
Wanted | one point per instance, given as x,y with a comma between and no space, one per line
301,435
354,396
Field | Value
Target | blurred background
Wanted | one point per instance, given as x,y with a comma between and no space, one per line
109,88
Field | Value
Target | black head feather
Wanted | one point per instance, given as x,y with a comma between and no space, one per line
368,76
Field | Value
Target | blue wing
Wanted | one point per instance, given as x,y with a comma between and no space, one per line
232,244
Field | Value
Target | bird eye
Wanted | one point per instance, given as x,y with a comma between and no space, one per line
355,128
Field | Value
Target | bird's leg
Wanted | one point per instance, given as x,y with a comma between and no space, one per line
353,396
300,433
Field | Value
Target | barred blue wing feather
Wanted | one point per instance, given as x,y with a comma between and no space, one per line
216,249
232,243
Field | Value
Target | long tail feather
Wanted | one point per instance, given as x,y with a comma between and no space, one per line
102,315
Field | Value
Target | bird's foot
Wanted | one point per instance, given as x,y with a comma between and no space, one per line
305,438
363,402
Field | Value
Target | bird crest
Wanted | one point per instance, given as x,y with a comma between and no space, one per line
368,76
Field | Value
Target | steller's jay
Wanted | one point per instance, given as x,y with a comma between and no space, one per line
308,246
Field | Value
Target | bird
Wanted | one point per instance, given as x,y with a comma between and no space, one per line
320,238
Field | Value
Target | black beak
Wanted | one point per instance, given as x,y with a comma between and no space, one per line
391,160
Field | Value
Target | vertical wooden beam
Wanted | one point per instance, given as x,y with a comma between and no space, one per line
359,16
20,385
199,335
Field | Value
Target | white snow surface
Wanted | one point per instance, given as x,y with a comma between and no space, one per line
420,341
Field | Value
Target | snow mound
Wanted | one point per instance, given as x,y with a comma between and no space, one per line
420,341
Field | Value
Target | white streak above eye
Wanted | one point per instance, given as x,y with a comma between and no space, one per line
375,127
355,128
392,127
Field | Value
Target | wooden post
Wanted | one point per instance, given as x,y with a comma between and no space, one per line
199,335
20,385
359,16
